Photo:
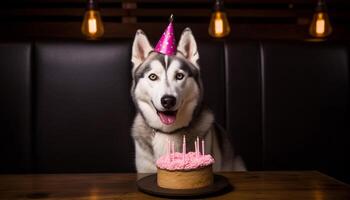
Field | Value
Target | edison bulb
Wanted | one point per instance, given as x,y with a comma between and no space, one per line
219,26
92,25
320,25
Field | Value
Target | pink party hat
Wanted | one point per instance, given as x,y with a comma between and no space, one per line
166,44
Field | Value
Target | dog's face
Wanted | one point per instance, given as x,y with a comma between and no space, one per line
166,89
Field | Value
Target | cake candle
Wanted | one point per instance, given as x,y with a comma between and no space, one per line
173,149
168,149
203,152
183,147
195,147
199,151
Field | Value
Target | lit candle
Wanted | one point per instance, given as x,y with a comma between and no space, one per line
203,152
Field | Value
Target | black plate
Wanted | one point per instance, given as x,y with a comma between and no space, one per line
149,185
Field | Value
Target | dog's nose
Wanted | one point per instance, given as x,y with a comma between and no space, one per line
168,101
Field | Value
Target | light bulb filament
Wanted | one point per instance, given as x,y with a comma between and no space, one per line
219,26
320,24
92,25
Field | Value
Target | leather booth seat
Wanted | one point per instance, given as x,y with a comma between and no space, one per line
66,106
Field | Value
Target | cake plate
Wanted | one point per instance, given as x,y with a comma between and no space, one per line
149,185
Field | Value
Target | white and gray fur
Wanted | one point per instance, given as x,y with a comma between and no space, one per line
149,133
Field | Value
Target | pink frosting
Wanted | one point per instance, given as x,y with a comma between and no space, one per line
191,161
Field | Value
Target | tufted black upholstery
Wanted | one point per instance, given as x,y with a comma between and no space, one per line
212,72
244,100
15,107
305,98
84,110
66,106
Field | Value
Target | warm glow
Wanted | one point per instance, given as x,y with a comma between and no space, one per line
320,26
92,27
94,194
318,195
219,26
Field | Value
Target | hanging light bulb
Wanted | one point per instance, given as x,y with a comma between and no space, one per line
320,26
219,26
92,26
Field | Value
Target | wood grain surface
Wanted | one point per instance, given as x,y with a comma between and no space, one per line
247,185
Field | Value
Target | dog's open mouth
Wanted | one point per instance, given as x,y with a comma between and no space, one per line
167,117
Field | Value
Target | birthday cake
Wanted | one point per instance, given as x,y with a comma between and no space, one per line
181,170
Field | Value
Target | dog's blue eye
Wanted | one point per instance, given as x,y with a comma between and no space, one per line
180,76
153,77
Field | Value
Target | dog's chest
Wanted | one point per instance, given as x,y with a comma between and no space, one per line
160,143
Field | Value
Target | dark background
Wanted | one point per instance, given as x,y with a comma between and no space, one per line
250,19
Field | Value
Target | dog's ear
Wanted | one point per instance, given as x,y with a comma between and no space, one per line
140,48
188,47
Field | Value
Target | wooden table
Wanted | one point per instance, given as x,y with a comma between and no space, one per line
247,185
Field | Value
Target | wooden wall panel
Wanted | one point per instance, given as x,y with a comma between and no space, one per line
252,19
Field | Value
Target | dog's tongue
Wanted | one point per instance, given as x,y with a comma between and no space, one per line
167,118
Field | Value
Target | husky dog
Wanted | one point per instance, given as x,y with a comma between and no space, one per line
167,92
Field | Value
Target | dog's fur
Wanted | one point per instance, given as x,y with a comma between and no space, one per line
149,132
